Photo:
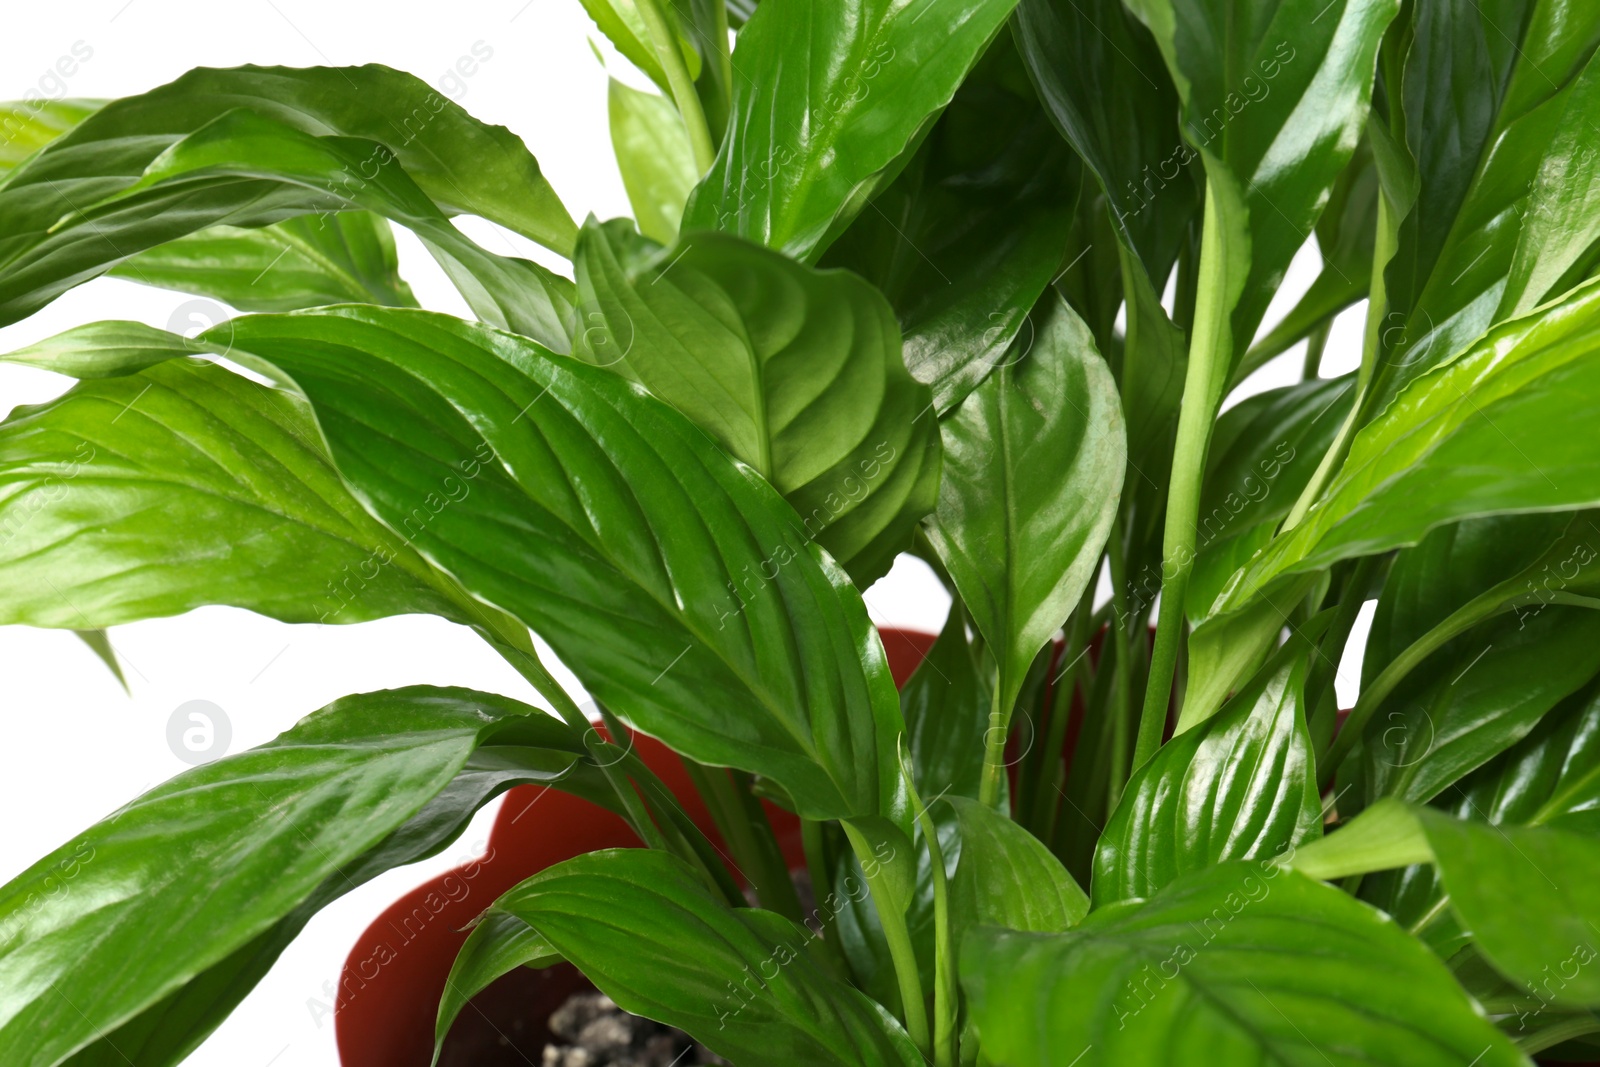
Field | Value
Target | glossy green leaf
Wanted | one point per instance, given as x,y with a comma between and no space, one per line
1240,963
214,871
1263,453
654,157
244,167
1494,432
1531,898
1034,461
832,94
499,943
1007,877
183,484
675,583
1240,786
743,983
342,258
28,125
621,22
795,371
1551,777
965,240
1469,703
463,165
1484,104
1275,93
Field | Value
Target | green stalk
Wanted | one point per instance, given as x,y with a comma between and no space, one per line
893,919
814,838
1209,352
1045,799
1566,1030
1121,709
1316,344
763,867
945,997
670,56
994,743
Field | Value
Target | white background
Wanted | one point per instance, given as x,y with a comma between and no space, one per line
76,746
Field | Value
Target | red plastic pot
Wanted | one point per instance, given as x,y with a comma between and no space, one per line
389,988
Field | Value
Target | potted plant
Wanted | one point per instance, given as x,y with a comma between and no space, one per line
967,279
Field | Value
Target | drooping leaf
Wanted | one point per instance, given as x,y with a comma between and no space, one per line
654,156
347,257
100,644
1263,453
177,903
832,94
1238,963
499,943
1007,877
1493,432
965,240
743,983
1485,90
1239,786
795,371
28,125
1034,461
1274,93
675,583
244,167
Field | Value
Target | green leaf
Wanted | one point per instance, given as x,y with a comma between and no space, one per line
1275,93
1494,432
1483,113
178,902
1263,453
654,156
1007,877
498,944
1034,462
743,983
797,372
244,167
675,583
621,22
1240,963
1551,777
1468,704
946,708
100,644
29,125
183,484
1531,898
342,258
1239,786
832,95
965,240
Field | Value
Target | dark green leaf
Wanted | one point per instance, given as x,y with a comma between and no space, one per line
178,902
648,932
1275,93
946,708
831,96
795,371
348,257
498,944
1006,877
1240,963
653,153
675,583
1486,90
1034,461
966,239
1239,786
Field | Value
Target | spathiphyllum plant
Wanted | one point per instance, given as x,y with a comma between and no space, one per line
967,279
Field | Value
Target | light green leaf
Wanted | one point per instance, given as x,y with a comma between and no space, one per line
832,94
795,371
1240,786
654,156
743,983
1239,963
28,125
153,923
1034,461
621,22
617,530
347,257
1006,877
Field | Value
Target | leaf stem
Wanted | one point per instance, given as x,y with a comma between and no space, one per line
893,920
670,54
814,837
1208,361
945,998
994,744
759,861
